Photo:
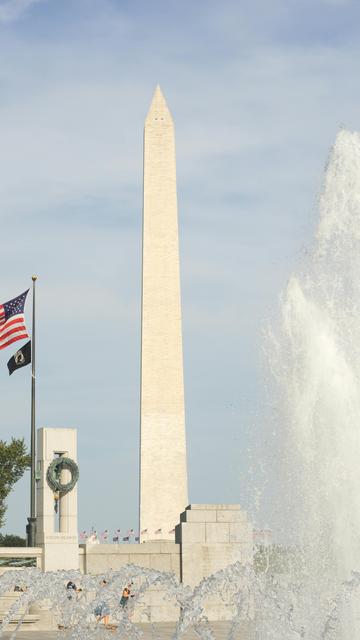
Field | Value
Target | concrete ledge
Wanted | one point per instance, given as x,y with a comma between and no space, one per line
21,552
160,555
233,515
97,564
123,549
28,619
198,515
168,546
214,507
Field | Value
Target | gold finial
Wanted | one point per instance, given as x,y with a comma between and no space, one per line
33,278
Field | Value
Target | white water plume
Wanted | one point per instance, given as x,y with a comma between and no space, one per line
317,364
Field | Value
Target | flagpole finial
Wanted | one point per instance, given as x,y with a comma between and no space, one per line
33,278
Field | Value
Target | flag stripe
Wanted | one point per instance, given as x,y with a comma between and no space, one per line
15,328
21,328
20,337
14,320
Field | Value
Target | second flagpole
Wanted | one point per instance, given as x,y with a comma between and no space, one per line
31,527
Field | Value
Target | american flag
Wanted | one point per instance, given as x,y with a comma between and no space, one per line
12,321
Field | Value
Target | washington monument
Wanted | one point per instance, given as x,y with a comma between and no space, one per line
163,469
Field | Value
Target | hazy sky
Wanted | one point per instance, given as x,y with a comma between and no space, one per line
258,91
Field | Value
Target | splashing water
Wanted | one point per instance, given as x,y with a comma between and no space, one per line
316,361
263,606
75,614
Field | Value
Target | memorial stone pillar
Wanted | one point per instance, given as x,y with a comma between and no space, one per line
57,533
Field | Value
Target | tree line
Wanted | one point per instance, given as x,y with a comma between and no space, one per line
14,460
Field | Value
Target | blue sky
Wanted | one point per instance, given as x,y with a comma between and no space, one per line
258,91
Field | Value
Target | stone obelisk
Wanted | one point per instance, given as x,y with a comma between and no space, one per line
163,469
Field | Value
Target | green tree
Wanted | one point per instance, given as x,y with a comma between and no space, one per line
12,540
14,459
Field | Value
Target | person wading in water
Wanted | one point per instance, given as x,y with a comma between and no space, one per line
124,600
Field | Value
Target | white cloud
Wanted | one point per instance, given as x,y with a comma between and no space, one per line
13,9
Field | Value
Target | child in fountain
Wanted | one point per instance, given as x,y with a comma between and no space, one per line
125,597
102,611
72,590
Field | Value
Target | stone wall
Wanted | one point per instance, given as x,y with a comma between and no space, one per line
100,558
211,537
161,556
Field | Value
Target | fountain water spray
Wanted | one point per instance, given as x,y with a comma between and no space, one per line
317,365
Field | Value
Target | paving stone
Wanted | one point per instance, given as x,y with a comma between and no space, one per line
164,631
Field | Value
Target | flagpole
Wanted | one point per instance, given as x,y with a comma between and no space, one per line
31,527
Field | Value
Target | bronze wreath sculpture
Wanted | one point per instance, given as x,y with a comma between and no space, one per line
54,471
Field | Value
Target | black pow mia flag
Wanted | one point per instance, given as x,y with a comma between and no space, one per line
20,359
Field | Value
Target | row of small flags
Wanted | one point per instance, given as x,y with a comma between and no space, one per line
157,531
116,536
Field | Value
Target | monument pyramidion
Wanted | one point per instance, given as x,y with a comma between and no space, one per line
163,467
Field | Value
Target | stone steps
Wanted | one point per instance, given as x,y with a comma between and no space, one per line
28,619
6,602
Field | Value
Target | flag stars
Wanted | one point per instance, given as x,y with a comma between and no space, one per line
15,306
12,321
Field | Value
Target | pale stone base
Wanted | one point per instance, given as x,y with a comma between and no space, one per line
60,552
212,537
